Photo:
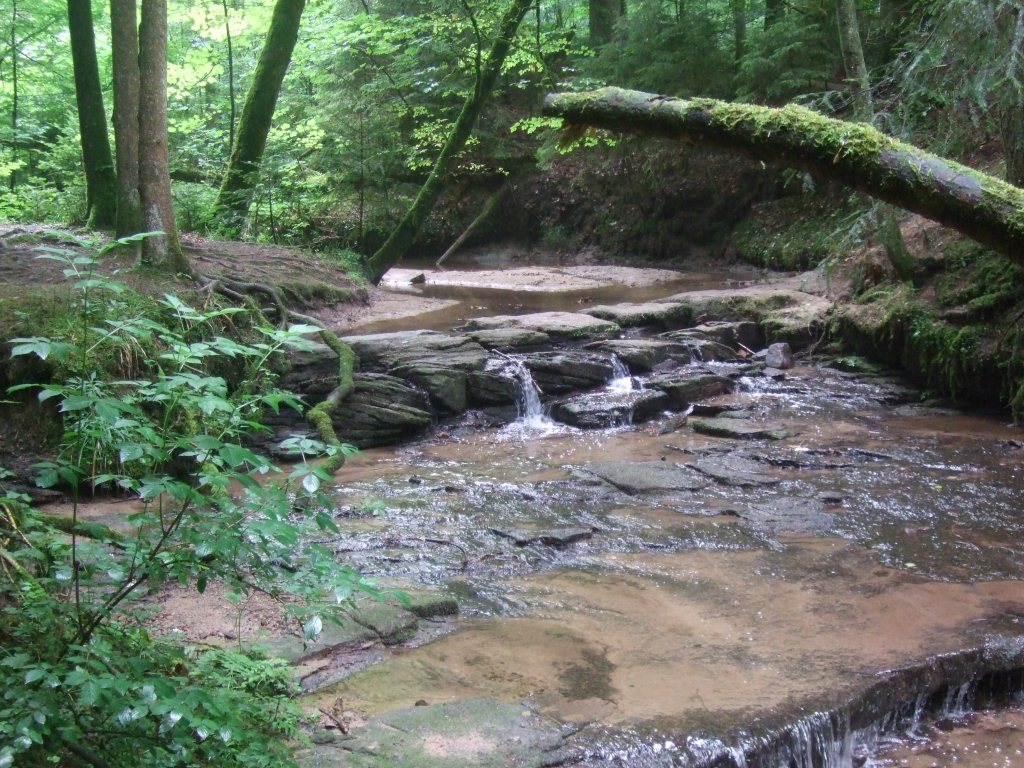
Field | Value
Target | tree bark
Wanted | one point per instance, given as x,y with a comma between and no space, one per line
124,45
485,213
893,15
980,206
163,251
254,125
853,60
402,236
100,183
739,29
603,15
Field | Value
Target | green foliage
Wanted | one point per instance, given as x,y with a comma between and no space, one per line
980,281
793,234
79,674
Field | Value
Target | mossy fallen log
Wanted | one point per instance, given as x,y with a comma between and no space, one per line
980,206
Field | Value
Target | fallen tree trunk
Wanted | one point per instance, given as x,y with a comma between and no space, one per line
980,206
489,207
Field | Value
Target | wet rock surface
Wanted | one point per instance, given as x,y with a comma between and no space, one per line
610,409
646,477
722,594
557,325
739,428
477,733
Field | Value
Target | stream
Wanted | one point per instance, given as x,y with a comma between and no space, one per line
837,583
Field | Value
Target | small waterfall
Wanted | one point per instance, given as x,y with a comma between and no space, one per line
528,405
958,701
621,380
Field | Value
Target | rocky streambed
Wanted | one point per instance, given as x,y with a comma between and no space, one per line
660,533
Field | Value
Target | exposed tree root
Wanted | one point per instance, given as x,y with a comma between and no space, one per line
320,415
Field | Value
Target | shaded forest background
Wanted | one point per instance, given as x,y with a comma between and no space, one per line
373,89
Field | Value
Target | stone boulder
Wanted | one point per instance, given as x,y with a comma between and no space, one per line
381,410
485,388
599,410
568,370
686,387
779,356
312,373
446,387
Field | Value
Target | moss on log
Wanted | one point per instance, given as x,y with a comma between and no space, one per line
980,206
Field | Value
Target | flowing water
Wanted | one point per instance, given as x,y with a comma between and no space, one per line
824,599
731,621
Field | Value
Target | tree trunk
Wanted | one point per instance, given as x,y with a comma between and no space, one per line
100,183
162,251
739,29
603,15
773,10
12,181
1011,109
124,44
485,213
853,60
1011,133
254,125
402,236
982,207
893,15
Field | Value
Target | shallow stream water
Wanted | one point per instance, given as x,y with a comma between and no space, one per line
881,533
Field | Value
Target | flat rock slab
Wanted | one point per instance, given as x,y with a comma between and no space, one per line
557,536
385,351
739,429
473,733
560,325
792,515
504,339
568,370
643,354
646,477
686,387
702,348
667,314
531,279
733,470
393,624
600,410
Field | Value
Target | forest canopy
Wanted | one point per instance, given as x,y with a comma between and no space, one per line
352,101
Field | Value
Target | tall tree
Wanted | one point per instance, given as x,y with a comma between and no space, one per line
853,60
773,10
15,53
739,27
254,125
603,16
100,182
154,173
124,43
486,75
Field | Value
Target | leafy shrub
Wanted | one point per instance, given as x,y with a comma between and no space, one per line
81,678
